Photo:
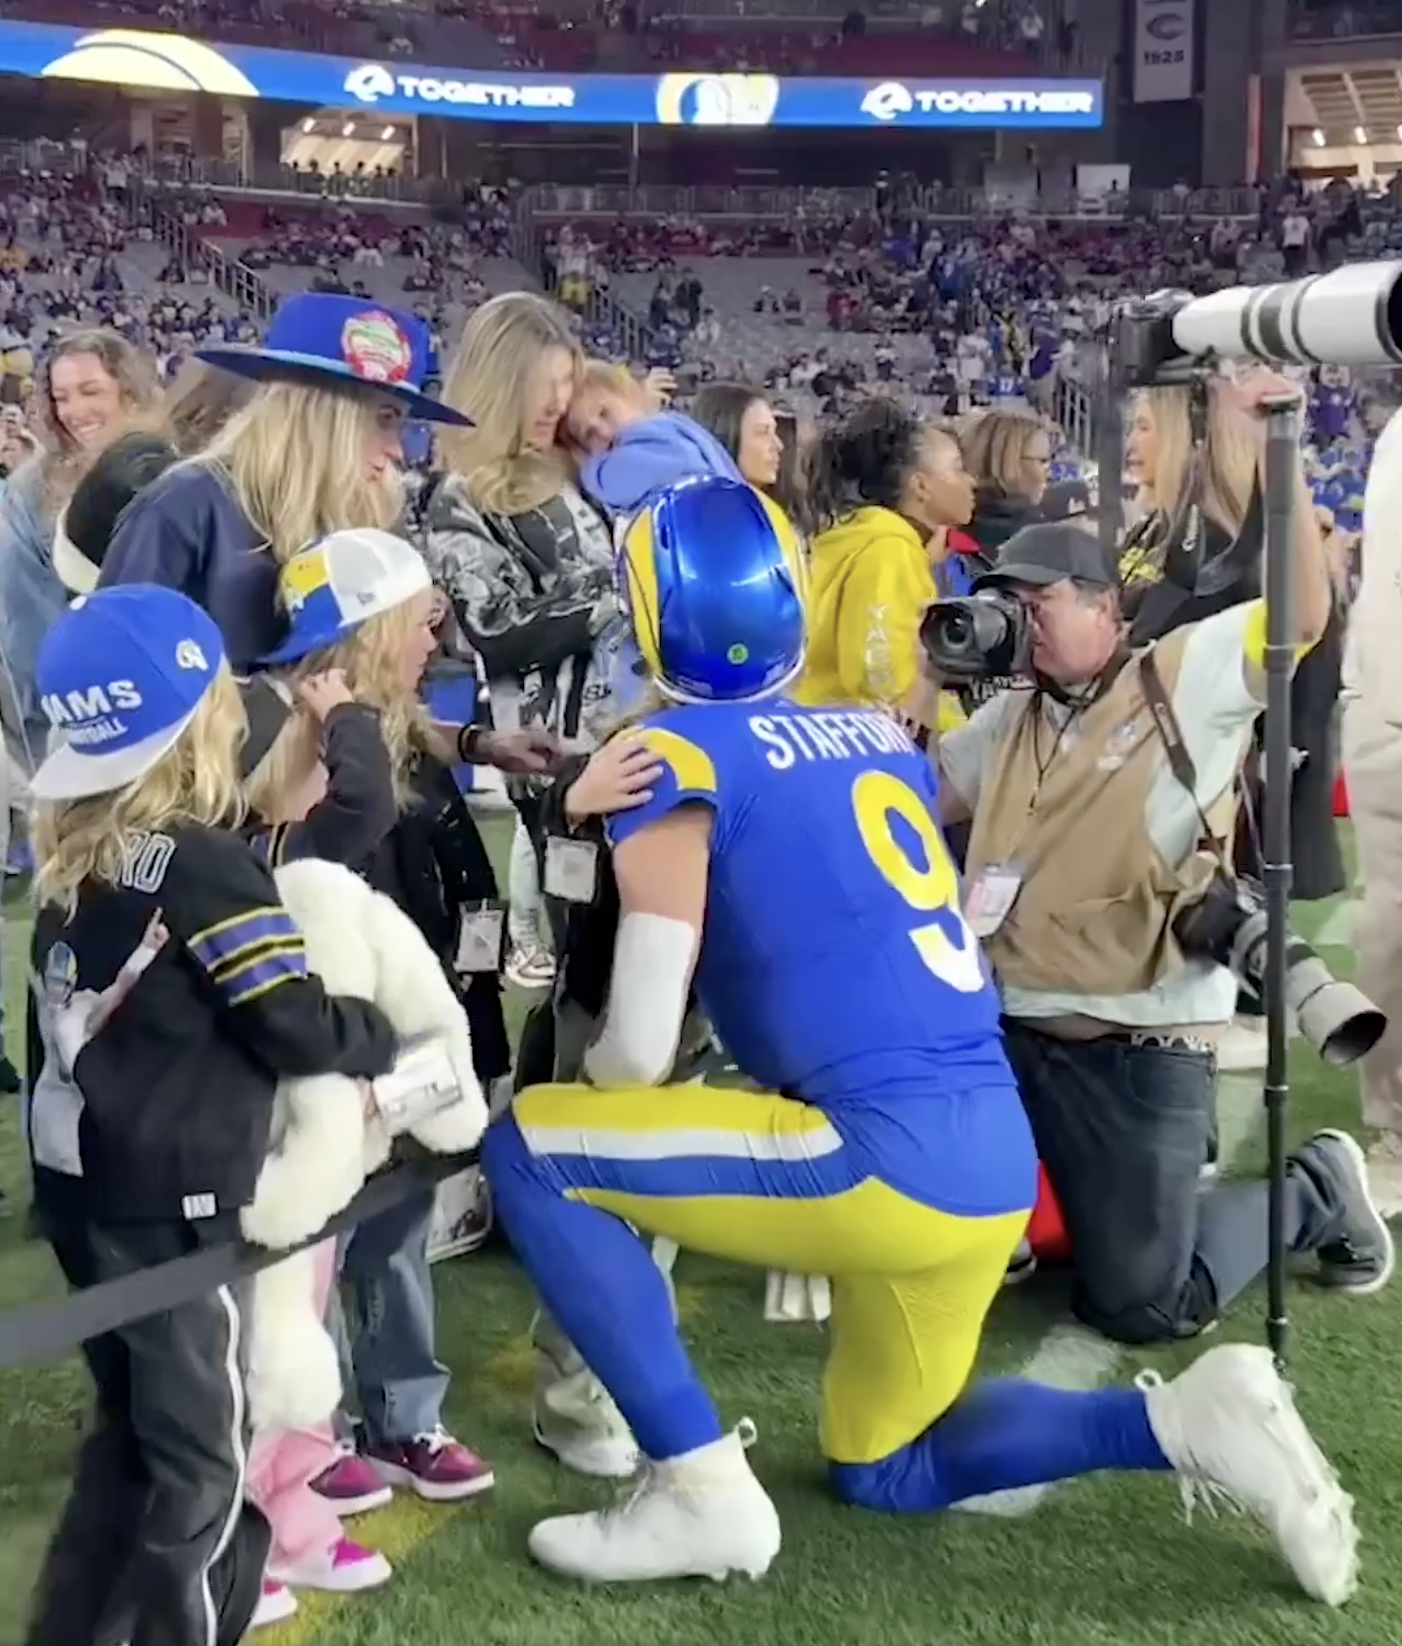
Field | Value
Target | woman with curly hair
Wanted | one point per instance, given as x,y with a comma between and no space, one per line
91,386
885,487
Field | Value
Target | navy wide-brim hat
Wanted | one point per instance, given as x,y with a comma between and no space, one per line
327,338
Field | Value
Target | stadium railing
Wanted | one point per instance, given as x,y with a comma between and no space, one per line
238,283
695,201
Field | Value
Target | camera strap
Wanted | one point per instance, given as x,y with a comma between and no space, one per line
1180,762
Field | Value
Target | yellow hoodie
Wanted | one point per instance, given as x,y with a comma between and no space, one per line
869,584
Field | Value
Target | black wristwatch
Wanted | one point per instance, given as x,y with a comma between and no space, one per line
469,742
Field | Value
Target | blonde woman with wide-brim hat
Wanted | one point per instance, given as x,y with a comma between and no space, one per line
317,449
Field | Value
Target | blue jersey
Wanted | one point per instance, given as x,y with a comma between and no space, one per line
835,963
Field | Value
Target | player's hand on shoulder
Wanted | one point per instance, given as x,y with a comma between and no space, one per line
620,776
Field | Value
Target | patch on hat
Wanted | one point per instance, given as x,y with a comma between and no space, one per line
375,347
188,655
304,575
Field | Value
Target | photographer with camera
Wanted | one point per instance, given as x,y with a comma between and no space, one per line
1196,449
1100,798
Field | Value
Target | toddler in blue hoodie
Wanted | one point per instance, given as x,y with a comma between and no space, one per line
629,449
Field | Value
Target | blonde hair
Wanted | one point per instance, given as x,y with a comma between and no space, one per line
195,781
606,374
287,764
995,445
501,346
199,403
373,660
133,371
1232,456
294,458
1233,465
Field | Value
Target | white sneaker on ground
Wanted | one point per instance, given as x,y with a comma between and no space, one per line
1229,1427
530,968
1242,1047
701,1515
276,1604
1385,1173
575,1417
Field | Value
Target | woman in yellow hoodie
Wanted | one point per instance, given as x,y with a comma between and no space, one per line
885,486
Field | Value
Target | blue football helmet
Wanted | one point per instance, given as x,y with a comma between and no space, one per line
712,578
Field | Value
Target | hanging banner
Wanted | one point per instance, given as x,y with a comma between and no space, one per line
1163,50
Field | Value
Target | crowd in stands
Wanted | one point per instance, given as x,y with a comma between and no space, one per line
964,37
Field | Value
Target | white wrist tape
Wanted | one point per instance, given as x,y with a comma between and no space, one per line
652,963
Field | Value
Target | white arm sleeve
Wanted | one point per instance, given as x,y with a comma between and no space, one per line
652,962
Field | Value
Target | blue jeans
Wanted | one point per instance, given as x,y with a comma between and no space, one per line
397,1377
1123,1132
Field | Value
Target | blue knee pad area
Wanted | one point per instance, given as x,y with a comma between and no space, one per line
1001,1435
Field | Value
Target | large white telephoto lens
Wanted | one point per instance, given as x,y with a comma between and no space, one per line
1349,317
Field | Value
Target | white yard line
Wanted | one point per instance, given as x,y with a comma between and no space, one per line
1073,1357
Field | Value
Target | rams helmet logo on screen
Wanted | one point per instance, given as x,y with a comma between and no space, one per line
886,101
370,82
717,99
157,62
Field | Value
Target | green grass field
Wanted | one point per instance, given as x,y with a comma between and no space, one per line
1108,1560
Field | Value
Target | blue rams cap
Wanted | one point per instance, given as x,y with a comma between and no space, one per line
712,578
330,589
120,676
320,335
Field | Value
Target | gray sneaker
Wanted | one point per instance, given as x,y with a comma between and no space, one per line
1361,1258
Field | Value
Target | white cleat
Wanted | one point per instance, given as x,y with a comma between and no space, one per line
701,1515
1228,1425
576,1419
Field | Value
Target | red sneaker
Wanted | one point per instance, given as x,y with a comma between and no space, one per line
435,1466
351,1485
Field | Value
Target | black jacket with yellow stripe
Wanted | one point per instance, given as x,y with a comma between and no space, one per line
177,1085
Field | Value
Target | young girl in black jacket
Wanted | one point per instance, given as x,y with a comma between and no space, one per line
171,991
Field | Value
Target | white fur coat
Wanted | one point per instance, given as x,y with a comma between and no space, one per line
323,1147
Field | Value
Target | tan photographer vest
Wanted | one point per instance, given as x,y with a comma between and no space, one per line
1067,809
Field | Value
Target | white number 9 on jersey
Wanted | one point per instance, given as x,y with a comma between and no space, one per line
929,888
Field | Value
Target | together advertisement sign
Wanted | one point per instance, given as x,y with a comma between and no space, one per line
176,63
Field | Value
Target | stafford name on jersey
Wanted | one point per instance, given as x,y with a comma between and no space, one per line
827,734
94,715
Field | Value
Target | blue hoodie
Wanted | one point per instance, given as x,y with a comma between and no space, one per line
655,451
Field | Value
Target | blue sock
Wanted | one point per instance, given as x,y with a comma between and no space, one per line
1004,1434
599,1281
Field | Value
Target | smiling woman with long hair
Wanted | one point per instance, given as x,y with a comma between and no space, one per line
91,385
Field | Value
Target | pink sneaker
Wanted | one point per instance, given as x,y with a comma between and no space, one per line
345,1569
351,1485
276,1604
435,1466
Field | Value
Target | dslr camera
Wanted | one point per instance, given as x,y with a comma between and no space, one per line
1229,925
983,636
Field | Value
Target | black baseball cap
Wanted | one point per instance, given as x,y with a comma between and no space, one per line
87,525
1050,552
268,705
1067,500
